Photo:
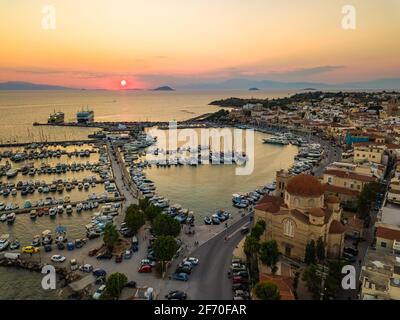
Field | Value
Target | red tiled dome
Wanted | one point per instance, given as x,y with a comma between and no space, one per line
304,185
317,212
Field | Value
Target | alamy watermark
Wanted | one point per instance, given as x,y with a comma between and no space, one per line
349,20
50,279
49,17
209,146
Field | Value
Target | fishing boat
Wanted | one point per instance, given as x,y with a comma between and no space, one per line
276,140
36,241
56,117
79,207
207,220
47,237
68,209
11,218
4,242
11,173
52,212
33,214
3,217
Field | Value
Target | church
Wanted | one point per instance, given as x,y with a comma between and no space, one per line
298,213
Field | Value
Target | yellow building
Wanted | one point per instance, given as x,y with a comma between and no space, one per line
302,215
364,151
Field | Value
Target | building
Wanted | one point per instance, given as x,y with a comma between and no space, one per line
365,151
301,215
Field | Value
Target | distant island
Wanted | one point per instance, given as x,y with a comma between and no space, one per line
309,89
164,88
254,89
20,85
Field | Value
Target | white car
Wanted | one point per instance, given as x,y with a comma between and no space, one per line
99,292
147,262
57,258
86,268
194,261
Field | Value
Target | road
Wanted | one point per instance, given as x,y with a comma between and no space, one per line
209,280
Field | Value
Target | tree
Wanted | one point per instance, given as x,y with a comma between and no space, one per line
267,291
251,245
115,283
164,225
258,229
269,254
320,249
134,218
310,253
151,212
313,281
143,204
164,248
110,236
296,283
366,198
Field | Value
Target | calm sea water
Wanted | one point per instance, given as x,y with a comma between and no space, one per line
203,189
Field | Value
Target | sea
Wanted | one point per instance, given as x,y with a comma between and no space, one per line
202,189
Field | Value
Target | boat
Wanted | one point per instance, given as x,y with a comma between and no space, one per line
36,241
79,207
52,212
33,214
56,117
271,186
68,209
85,116
276,140
11,217
15,245
27,204
207,220
47,238
3,217
4,242
11,173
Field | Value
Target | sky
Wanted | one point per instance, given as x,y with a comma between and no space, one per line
147,43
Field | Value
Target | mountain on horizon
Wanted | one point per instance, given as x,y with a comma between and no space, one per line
20,85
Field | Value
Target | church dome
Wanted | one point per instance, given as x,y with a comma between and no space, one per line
332,199
304,185
317,212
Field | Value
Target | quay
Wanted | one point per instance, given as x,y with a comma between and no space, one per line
49,143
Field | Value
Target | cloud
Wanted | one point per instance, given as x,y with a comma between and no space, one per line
304,72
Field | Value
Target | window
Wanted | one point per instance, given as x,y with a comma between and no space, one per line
288,228
383,244
330,179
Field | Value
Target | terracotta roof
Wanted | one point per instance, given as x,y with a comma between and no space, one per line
283,283
332,199
336,227
269,204
304,185
298,215
350,175
317,212
340,190
387,233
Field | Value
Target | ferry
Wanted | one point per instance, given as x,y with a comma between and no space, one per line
85,116
56,117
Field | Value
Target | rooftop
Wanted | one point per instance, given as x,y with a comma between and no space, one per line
304,185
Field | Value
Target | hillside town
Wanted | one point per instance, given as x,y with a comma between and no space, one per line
346,213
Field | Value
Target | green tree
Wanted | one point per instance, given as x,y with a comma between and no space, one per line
258,229
251,245
333,279
320,249
165,248
115,283
164,225
367,197
310,255
296,283
313,281
110,236
267,291
134,218
143,204
151,212
269,254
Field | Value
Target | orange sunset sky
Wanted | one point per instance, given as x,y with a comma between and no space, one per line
97,43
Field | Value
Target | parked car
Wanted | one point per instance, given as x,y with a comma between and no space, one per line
349,257
48,248
147,262
131,284
239,279
192,260
180,276
86,268
242,293
30,249
100,280
118,258
239,286
351,251
244,230
99,292
176,295
99,272
105,256
128,254
145,269
184,269
57,258
93,252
